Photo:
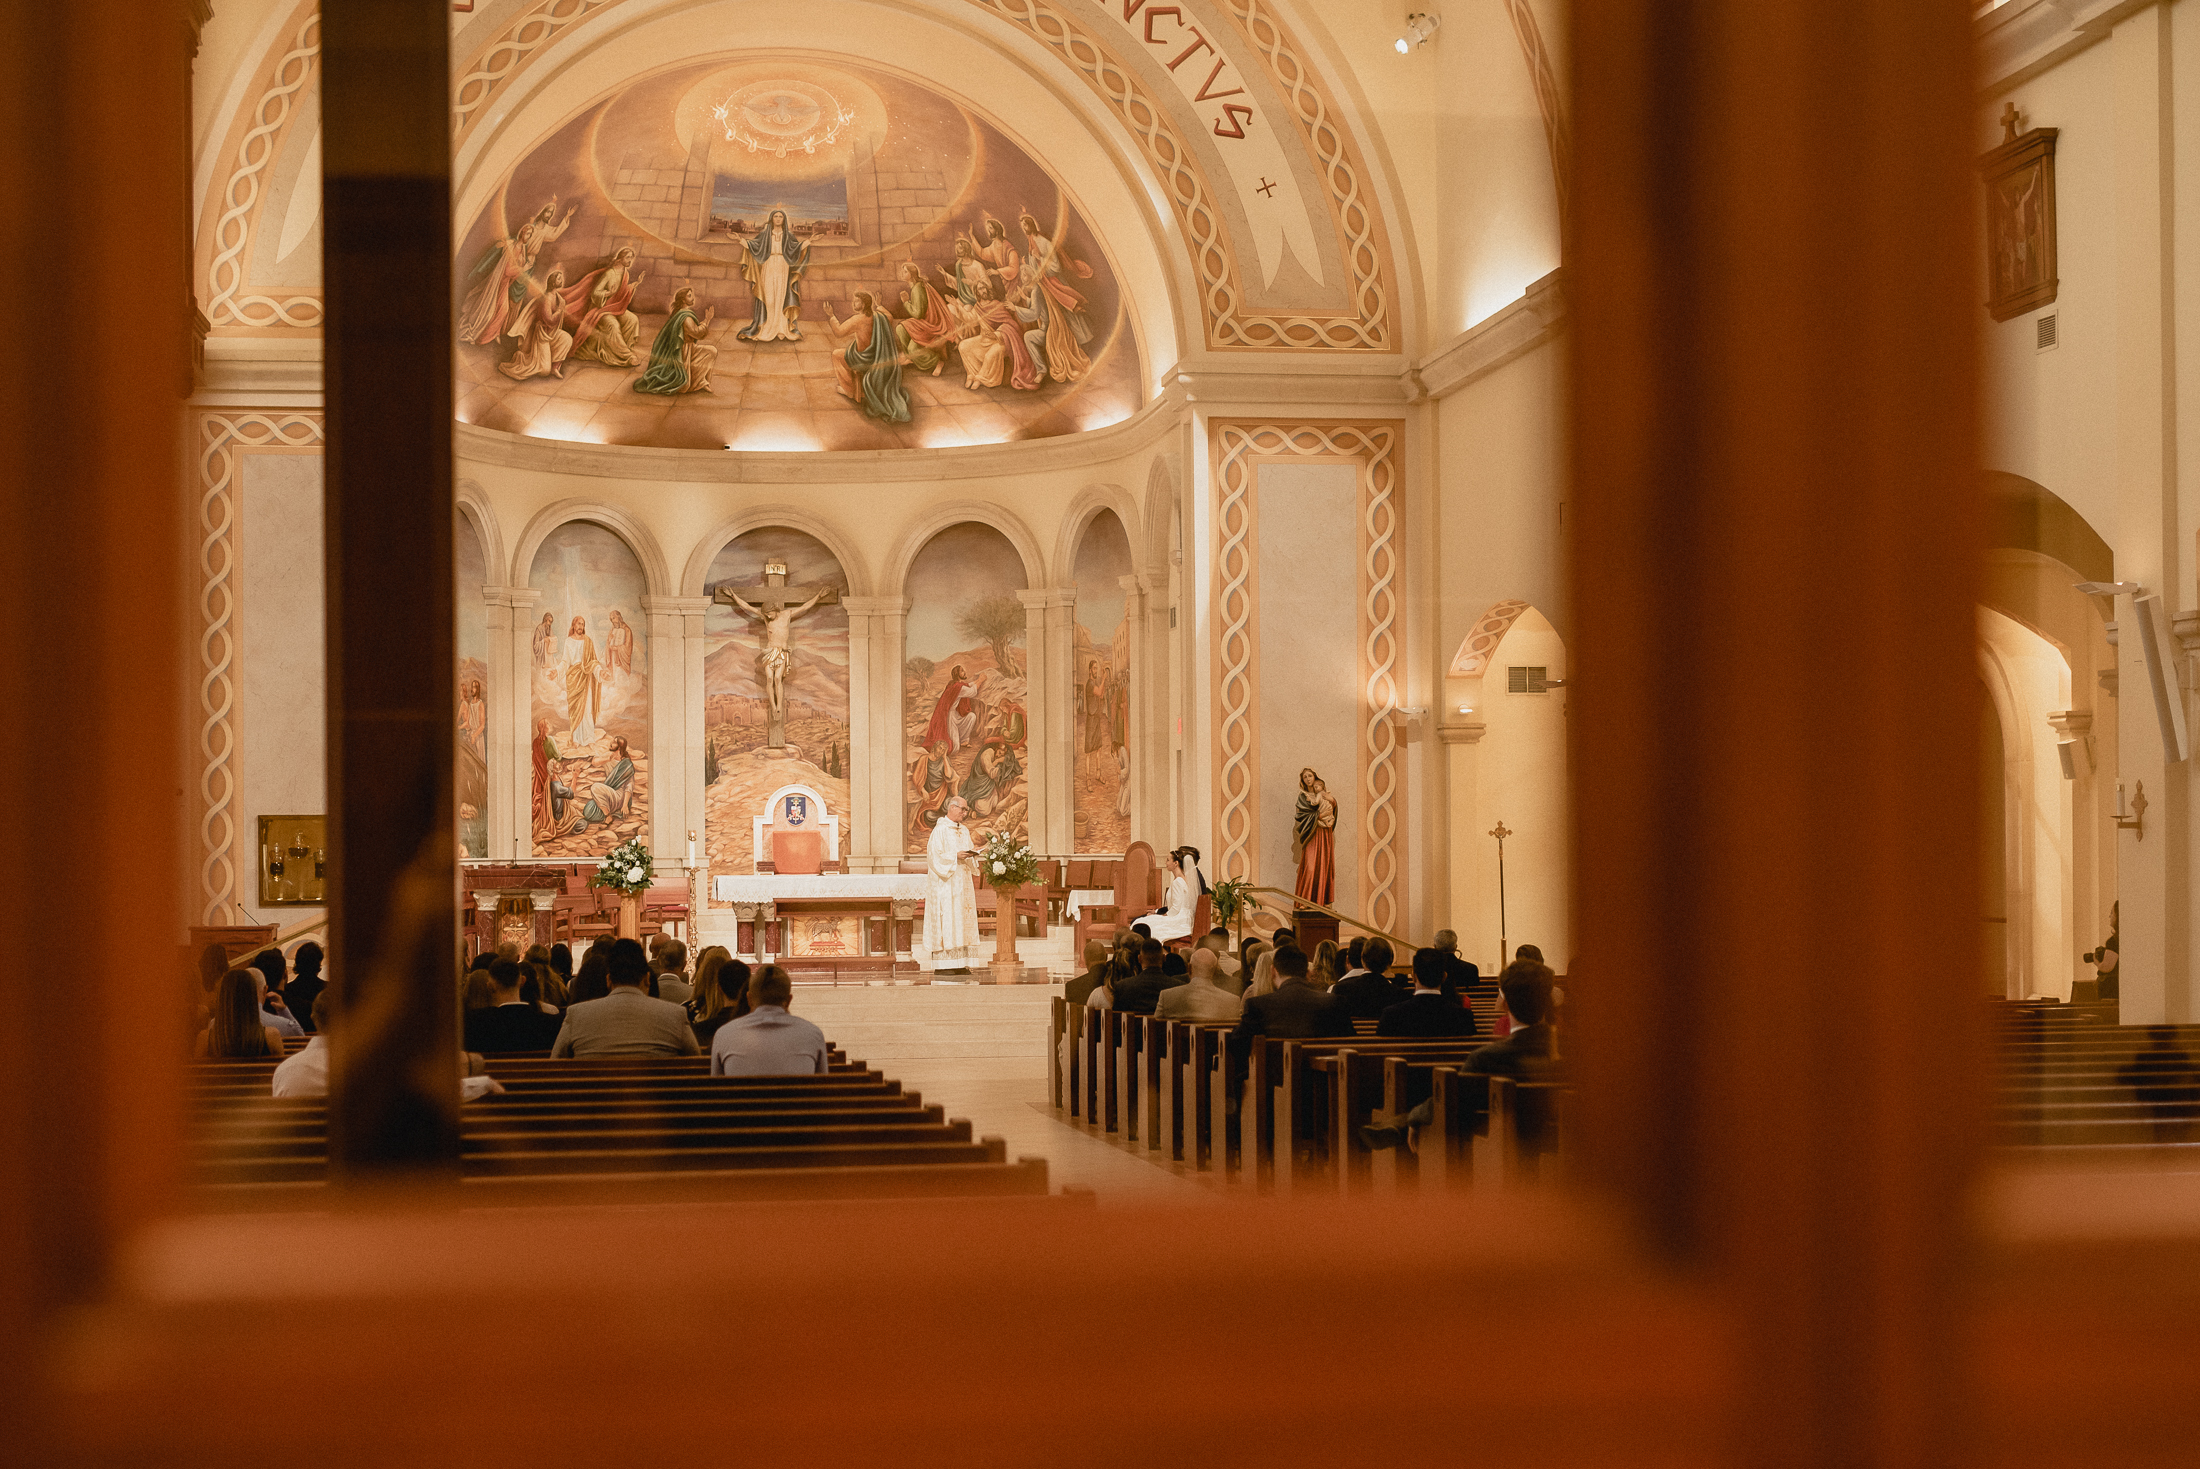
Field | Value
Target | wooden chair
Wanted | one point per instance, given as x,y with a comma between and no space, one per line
1203,918
666,903
1135,884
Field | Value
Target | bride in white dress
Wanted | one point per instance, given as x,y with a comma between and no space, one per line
1186,883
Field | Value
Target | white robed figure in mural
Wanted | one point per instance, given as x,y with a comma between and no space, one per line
950,899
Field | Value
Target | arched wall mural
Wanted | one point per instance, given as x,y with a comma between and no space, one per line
778,253
1100,687
471,793
965,696
741,768
588,678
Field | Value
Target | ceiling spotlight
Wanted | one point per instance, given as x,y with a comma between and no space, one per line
1419,27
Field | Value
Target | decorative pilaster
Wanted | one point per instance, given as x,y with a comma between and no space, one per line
860,696
673,706
1464,910
1060,834
511,729
1149,683
507,687
874,688
1040,671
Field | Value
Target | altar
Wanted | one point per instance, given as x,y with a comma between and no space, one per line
825,921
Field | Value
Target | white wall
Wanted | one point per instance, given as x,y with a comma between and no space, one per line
281,759
2028,678
1520,778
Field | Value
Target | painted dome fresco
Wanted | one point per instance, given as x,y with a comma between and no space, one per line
776,252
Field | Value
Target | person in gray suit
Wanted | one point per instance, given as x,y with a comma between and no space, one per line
626,1022
1199,997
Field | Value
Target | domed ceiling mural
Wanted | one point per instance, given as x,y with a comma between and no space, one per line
779,253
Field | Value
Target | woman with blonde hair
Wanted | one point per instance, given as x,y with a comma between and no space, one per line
1264,971
237,1030
1323,971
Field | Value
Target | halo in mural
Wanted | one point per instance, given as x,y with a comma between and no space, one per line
783,254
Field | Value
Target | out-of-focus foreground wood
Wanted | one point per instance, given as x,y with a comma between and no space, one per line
92,113
1774,553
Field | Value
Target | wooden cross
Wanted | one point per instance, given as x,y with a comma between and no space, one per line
775,593
2009,119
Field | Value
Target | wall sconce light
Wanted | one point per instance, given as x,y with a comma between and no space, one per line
1466,708
2133,817
1419,27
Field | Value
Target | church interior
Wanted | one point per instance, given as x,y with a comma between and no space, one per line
1431,730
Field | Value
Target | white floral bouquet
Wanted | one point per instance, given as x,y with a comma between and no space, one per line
1004,862
626,868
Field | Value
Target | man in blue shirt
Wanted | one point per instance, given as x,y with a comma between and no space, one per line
768,1041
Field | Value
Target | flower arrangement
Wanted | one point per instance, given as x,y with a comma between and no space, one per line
1004,862
626,868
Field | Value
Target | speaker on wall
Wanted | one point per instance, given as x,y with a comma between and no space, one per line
2169,699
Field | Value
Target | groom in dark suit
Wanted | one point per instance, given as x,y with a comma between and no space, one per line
1428,1012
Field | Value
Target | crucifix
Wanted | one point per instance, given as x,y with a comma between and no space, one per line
775,606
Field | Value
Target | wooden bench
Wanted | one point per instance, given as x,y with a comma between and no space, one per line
621,1120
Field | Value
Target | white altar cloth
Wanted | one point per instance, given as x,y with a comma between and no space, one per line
767,888
1082,898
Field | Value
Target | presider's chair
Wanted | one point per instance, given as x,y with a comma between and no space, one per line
798,852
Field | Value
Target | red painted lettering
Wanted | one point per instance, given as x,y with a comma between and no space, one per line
1237,114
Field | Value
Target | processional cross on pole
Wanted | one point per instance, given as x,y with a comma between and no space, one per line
775,606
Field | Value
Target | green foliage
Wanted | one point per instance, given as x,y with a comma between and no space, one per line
996,620
1230,899
919,668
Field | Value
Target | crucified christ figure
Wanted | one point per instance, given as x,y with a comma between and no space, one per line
774,622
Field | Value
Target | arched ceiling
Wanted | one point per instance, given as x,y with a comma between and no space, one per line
1214,161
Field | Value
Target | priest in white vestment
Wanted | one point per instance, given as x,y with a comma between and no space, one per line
950,901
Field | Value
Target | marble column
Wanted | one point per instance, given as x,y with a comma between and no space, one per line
514,730
861,694
386,231
1464,911
876,738
1150,734
507,687
1040,672
1061,633
675,724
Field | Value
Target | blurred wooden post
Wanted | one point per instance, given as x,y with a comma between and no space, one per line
1774,551
92,102
387,266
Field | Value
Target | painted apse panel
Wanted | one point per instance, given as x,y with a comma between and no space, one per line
965,729
1100,694
471,787
588,677
739,775
783,253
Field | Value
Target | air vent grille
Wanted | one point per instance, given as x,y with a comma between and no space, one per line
2045,327
1520,679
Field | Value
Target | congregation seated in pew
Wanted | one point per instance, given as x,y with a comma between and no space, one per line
1294,1010
627,1021
1433,1008
721,992
769,1040
1138,994
1525,1055
238,1028
1365,993
508,1022
1199,997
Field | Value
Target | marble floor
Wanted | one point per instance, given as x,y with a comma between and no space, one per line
980,1052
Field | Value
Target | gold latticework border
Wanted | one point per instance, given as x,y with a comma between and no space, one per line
228,302
484,77
1237,450
223,438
